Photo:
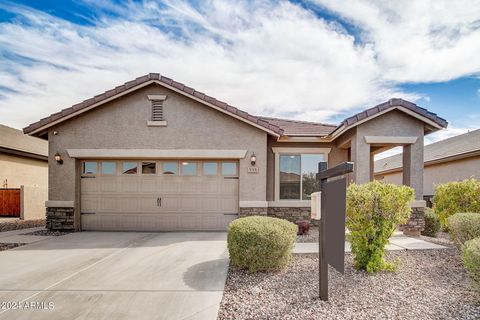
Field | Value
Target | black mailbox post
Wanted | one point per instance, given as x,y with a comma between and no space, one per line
332,221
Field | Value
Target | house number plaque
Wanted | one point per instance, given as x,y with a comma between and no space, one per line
252,169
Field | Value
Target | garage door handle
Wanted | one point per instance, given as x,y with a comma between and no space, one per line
159,202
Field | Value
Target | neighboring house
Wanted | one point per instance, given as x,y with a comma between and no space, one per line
154,154
452,159
23,174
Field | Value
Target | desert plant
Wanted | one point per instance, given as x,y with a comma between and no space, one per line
454,197
261,243
464,227
303,227
432,223
471,260
374,210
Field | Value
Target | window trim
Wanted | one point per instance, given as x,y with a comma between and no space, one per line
217,171
293,150
122,173
180,167
229,175
148,174
89,174
107,174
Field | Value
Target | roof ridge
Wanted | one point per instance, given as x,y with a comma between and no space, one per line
167,81
298,121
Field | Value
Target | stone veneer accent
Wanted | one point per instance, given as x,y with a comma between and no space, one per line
60,219
255,211
416,223
288,213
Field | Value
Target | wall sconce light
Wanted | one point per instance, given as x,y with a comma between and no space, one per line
253,159
58,158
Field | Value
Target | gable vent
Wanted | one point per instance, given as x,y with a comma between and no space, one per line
157,110
157,106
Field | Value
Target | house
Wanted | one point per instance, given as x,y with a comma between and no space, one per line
452,159
23,174
155,154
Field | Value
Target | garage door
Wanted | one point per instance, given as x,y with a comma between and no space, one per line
152,195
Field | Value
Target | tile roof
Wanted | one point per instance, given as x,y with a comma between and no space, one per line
150,78
14,139
391,104
454,146
301,128
273,125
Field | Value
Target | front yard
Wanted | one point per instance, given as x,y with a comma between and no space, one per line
430,284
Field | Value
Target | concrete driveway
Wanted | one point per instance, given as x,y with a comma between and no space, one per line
115,275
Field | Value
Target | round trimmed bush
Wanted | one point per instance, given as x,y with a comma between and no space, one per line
261,243
432,223
457,196
471,259
464,227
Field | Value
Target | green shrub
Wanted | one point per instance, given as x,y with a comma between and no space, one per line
471,260
261,243
432,223
464,227
374,210
455,197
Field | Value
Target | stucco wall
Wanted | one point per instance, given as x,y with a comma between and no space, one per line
122,124
23,171
31,175
32,202
441,173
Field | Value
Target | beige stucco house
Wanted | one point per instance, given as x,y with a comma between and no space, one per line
452,159
154,154
24,172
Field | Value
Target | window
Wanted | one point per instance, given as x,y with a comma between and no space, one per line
290,176
149,167
170,168
298,175
229,168
109,167
129,168
309,174
89,167
209,168
189,168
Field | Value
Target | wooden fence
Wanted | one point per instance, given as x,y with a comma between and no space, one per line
10,202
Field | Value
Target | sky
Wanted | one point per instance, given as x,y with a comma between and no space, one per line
317,60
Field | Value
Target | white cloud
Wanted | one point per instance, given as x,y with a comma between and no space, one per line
267,57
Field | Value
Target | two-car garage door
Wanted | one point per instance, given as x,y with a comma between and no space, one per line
158,195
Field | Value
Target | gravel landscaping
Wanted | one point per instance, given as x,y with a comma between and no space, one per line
46,233
8,246
312,235
8,225
430,284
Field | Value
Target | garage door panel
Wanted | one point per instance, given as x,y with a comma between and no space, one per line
149,222
158,202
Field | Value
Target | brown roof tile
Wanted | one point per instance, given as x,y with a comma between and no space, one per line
143,79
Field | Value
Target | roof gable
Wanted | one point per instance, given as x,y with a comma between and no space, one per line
407,107
128,87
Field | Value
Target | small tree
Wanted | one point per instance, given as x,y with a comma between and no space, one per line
374,210
454,197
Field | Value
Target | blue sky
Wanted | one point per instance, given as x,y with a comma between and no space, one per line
318,60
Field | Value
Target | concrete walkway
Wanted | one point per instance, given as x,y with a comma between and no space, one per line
116,275
397,242
19,236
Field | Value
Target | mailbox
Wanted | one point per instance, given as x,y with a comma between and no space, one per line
316,206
